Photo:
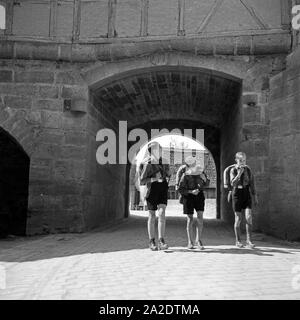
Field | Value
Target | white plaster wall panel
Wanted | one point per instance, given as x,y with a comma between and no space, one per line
163,17
94,18
195,13
31,18
232,16
65,18
128,18
269,11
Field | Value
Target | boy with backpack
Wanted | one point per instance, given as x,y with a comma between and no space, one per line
239,179
190,187
155,174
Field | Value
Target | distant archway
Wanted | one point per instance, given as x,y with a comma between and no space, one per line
175,147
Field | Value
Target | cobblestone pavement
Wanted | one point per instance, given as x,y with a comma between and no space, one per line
116,264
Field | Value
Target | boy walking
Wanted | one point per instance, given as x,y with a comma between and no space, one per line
190,187
155,174
243,185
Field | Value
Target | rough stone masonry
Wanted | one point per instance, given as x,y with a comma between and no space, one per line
68,69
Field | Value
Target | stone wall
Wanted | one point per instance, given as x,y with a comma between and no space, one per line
32,110
284,211
48,108
105,196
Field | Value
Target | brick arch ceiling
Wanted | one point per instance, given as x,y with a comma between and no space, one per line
167,93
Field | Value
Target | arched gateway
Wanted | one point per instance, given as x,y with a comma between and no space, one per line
60,83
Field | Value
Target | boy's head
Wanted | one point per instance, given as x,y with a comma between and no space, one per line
195,170
190,161
240,158
155,149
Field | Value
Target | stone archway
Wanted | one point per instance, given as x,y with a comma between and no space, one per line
19,136
100,73
14,183
178,91
20,124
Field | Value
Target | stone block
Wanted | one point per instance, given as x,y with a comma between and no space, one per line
74,92
76,138
83,53
42,51
47,150
6,75
72,202
65,52
250,99
261,147
61,170
4,114
251,114
51,119
48,104
73,152
6,49
40,173
48,92
74,121
40,187
280,127
262,181
51,136
253,131
77,170
17,102
34,76
68,77
68,187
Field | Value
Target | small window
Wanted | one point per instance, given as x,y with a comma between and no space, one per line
2,17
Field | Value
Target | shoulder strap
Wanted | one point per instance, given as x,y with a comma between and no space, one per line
226,176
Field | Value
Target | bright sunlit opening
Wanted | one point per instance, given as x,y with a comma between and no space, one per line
175,141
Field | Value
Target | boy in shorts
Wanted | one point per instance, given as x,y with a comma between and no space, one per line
155,175
190,187
242,182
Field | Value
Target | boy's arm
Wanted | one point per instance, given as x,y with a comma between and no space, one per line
179,175
147,175
205,180
182,188
235,178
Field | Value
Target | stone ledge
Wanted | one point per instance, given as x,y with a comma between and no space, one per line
114,49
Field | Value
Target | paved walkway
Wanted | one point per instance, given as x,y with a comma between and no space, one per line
116,264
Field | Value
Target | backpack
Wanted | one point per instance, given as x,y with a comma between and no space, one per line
226,178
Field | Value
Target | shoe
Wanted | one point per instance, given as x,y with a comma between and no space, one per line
200,245
162,245
190,245
152,245
250,245
239,244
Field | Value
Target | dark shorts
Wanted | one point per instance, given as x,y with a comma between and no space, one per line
158,195
241,199
191,203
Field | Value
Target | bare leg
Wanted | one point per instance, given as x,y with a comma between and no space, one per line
237,224
248,215
161,220
189,228
151,224
199,226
